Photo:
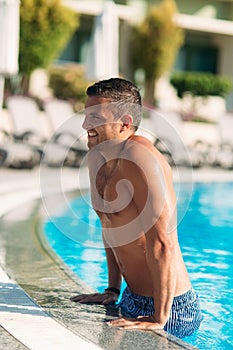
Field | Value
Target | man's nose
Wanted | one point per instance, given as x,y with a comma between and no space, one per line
86,124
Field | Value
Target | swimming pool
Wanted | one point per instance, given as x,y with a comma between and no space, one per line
206,239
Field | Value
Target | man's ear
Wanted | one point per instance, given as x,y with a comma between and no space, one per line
127,122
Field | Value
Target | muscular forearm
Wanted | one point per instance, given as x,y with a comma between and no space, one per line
108,296
114,274
163,272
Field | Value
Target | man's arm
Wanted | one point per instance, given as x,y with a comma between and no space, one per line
160,255
114,274
114,281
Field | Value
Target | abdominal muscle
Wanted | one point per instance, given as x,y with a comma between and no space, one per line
131,257
132,262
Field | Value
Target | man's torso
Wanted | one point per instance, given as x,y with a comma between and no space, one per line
122,231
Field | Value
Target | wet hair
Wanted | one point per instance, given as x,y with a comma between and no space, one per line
123,94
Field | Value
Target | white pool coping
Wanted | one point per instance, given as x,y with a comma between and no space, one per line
19,314
29,324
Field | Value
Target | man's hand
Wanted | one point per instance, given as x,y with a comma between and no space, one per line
105,298
141,322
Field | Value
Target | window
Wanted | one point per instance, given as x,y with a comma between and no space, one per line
197,58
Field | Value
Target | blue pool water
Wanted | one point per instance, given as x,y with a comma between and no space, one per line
206,239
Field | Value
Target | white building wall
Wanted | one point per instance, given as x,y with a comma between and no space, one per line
225,44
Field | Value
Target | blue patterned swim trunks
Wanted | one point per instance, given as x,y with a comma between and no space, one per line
185,315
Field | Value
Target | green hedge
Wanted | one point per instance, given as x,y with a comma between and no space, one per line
200,84
68,83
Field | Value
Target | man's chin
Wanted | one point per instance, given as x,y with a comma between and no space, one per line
91,144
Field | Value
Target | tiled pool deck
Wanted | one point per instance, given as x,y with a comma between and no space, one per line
35,286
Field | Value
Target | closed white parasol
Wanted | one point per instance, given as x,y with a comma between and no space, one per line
9,40
103,54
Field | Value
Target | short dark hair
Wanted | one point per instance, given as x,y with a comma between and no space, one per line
123,93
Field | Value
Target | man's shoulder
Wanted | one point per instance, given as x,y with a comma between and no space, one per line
136,143
139,148
141,140
137,152
143,154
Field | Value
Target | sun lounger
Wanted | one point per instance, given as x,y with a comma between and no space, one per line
27,129
165,130
24,115
16,154
24,145
226,129
224,156
3,155
58,112
67,132
19,156
66,123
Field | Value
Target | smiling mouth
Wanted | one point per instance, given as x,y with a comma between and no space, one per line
92,133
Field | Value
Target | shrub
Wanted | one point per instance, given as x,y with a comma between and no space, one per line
45,28
68,82
155,43
200,84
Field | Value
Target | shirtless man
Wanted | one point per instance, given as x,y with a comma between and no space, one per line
132,193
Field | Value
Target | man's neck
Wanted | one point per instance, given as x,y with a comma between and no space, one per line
112,149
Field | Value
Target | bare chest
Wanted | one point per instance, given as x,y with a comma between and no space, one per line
113,194
106,180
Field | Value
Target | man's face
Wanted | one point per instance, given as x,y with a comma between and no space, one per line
99,121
